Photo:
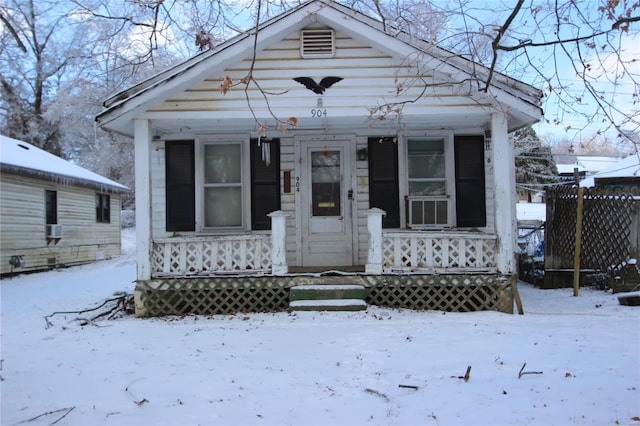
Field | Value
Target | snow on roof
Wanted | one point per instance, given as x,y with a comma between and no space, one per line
596,164
22,155
627,167
568,168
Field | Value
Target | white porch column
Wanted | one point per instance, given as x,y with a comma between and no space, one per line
505,193
142,143
374,226
279,242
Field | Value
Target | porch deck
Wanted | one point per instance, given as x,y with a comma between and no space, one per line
226,295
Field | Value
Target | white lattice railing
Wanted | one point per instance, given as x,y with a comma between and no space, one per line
432,251
210,255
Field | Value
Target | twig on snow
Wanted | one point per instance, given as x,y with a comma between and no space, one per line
140,402
408,387
466,376
377,393
48,413
522,372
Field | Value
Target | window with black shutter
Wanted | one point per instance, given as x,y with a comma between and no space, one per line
265,182
383,179
180,186
470,190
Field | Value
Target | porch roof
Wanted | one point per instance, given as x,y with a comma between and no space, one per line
519,99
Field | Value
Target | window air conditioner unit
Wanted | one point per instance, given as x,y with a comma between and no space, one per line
427,211
54,231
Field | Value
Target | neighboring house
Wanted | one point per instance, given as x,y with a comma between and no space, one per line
566,171
625,172
586,165
54,213
226,198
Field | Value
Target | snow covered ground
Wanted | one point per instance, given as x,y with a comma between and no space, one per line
581,354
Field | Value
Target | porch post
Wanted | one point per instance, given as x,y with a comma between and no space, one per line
142,144
505,193
279,242
374,226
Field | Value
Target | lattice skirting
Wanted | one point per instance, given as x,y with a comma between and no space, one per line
451,293
209,296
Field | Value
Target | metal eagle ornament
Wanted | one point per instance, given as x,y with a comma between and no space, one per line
318,88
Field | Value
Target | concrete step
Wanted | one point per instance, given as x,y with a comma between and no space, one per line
328,305
324,292
327,297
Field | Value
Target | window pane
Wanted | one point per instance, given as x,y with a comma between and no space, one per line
222,163
223,206
51,206
325,183
426,159
427,188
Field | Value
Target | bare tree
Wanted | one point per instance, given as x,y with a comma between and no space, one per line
33,66
584,56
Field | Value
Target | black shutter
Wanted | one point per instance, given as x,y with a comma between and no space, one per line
180,181
265,183
383,179
471,209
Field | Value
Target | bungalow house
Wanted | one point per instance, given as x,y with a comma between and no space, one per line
53,213
323,143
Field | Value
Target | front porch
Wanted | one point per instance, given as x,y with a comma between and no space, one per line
449,271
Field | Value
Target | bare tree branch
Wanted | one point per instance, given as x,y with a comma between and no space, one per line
496,42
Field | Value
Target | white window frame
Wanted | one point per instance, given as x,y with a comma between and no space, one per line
403,173
200,143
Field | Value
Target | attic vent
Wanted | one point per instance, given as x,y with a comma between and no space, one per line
317,43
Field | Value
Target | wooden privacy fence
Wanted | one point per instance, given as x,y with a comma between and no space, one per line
609,231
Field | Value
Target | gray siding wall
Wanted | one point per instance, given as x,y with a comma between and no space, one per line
23,225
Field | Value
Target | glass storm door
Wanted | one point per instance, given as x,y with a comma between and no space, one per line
326,204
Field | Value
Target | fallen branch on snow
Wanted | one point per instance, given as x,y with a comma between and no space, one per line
120,305
48,413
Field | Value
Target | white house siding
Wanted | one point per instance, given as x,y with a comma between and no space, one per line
369,80
23,225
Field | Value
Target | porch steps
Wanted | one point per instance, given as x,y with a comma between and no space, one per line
327,297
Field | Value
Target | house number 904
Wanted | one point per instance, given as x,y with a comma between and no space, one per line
297,183
317,113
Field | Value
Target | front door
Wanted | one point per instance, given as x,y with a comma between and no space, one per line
326,197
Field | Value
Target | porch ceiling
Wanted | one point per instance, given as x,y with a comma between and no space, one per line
200,125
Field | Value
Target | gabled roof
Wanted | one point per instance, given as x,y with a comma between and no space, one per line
123,107
21,158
